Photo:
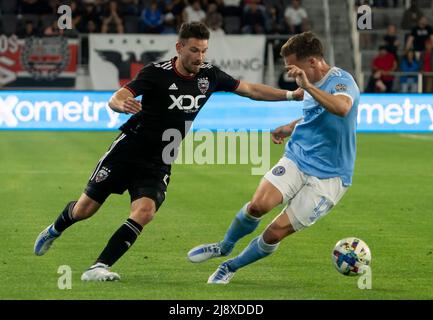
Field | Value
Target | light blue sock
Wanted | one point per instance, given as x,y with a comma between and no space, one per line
256,250
242,224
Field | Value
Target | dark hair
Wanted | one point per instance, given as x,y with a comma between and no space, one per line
196,30
304,45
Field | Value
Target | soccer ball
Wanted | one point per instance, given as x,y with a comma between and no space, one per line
350,256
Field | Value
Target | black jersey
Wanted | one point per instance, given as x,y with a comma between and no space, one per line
169,100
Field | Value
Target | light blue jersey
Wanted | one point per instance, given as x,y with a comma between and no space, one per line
324,144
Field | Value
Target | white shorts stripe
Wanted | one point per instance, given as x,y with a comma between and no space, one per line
106,154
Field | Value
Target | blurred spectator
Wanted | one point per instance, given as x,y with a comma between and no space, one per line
419,35
362,2
231,7
427,66
381,79
89,13
37,7
169,24
411,16
409,84
391,40
92,27
151,19
253,20
54,5
384,3
28,30
214,20
130,7
220,6
111,18
296,18
381,3
176,7
53,30
194,12
76,14
274,20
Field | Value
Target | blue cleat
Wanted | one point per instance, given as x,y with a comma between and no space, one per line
222,275
45,240
204,252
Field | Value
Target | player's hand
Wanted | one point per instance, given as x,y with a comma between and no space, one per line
299,75
298,94
130,105
280,133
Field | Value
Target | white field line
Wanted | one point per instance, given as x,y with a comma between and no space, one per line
418,137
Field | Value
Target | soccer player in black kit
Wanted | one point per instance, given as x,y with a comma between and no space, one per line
173,92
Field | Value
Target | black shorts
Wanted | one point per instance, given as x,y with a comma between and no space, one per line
127,166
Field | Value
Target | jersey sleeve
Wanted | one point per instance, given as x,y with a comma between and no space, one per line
225,82
142,82
344,86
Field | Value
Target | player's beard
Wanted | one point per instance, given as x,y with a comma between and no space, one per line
193,68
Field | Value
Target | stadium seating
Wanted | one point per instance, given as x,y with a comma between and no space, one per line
9,23
232,24
8,7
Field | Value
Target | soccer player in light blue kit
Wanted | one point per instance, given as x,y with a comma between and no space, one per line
317,166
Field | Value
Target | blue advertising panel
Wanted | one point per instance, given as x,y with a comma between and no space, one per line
88,110
395,113
58,110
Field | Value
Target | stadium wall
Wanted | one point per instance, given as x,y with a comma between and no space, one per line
88,110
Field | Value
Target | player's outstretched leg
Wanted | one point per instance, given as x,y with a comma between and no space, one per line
259,248
46,238
256,250
266,197
118,244
242,224
73,212
142,212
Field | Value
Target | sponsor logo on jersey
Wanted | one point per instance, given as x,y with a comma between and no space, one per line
203,85
172,87
187,102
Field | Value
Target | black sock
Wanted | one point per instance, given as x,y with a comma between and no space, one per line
65,219
120,242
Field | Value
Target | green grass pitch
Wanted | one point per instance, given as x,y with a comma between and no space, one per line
389,206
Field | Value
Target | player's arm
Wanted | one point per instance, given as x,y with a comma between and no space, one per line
339,105
282,132
261,92
123,101
409,42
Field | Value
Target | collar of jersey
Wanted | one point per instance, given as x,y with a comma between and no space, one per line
173,63
322,81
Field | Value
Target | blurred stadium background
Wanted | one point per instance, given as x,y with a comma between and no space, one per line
54,80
